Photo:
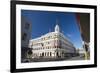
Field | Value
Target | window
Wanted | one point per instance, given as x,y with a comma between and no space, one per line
50,53
27,25
24,36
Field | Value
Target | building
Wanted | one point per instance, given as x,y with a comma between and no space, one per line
52,45
25,32
83,20
25,37
81,51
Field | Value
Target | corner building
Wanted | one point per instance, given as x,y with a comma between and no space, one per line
52,45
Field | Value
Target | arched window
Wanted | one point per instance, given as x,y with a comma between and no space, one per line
27,25
50,53
43,54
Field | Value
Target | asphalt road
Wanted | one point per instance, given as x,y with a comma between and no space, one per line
55,59
77,58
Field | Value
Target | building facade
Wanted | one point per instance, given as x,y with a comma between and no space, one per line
52,45
25,37
25,32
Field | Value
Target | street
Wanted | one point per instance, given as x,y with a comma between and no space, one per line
79,57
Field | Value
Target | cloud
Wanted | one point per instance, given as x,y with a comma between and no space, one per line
69,35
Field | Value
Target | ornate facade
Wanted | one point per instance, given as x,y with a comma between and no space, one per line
52,45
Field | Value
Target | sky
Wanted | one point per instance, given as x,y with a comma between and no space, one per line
45,21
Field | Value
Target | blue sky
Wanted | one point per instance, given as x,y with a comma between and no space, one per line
45,21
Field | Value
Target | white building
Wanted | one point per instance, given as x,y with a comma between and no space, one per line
52,45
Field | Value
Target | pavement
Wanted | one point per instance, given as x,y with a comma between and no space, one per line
77,58
80,57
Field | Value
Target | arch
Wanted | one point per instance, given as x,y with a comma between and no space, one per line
42,54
